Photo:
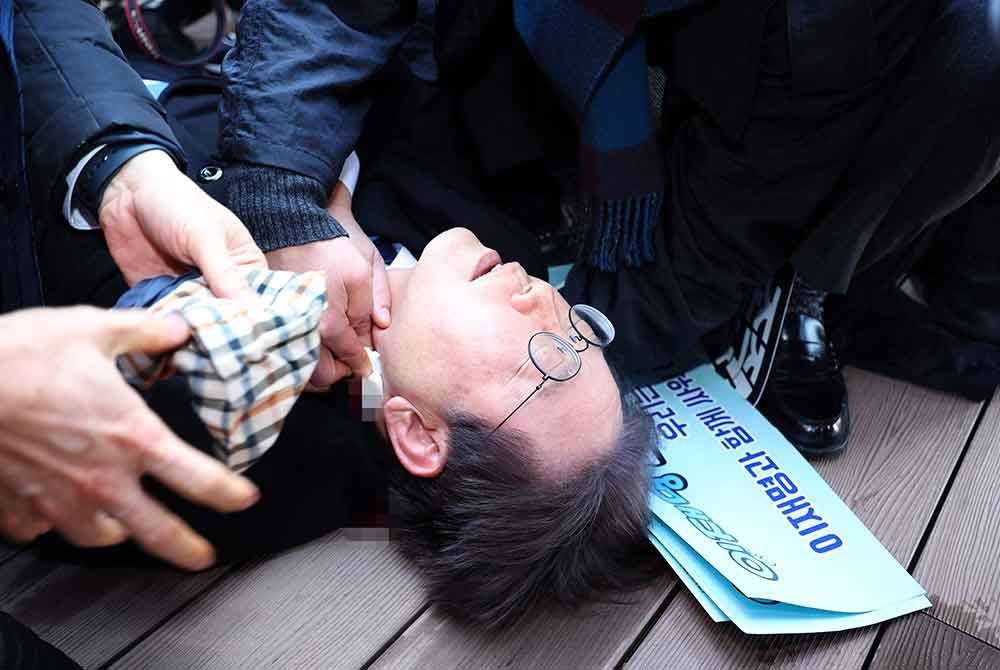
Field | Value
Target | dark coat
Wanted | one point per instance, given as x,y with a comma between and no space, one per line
294,102
299,85
77,91
299,88
19,284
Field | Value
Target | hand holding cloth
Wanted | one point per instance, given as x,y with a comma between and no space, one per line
245,365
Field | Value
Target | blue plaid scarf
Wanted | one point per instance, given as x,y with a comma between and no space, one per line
595,57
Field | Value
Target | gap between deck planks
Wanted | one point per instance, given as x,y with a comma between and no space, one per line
93,612
329,604
906,444
959,564
891,476
921,642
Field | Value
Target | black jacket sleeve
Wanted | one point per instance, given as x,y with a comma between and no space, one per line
298,88
78,91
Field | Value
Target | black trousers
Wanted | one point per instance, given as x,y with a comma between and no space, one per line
850,173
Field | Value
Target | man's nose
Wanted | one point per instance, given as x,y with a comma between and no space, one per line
535,304
547,309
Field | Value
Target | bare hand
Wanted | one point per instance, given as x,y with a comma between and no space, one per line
357,291
157,221
76,438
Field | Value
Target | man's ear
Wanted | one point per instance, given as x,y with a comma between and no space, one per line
419,446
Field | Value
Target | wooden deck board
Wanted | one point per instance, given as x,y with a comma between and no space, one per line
93,613
330,604
686,637
593,638
959,564
905,444
922,643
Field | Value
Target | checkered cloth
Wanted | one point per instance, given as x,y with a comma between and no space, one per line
245,367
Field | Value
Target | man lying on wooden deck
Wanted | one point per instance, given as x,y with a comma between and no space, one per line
514,464
553,503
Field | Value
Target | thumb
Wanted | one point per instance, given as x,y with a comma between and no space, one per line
381,296
139,330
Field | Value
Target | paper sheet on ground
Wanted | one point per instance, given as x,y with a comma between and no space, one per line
718,616
761,618
746,502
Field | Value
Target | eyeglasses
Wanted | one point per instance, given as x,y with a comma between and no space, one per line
560,360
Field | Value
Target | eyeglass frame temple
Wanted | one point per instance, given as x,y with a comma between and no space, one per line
545,378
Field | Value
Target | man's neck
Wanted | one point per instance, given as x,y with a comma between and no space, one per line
398,281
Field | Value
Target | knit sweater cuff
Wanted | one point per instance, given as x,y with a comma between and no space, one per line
281,208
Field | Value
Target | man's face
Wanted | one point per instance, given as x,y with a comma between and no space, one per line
461,322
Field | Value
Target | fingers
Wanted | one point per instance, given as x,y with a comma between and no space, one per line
159,531
138,330
195,475
328,372
345,327
381,297
338,335
324,375
18,522
210,252
80,523
110,529
341,371
72,497
45,503
359,311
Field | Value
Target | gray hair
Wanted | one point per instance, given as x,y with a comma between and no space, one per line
493,536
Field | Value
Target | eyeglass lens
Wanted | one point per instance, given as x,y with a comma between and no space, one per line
553,356
591,325
559,360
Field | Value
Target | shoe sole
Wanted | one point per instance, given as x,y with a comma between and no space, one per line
826,451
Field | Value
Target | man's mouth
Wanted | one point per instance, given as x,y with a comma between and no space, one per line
487,262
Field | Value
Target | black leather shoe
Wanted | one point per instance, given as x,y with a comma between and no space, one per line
806,397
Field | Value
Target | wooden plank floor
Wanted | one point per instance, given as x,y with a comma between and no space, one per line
960,566
93,613
892,476
921,472
921,641
331,603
